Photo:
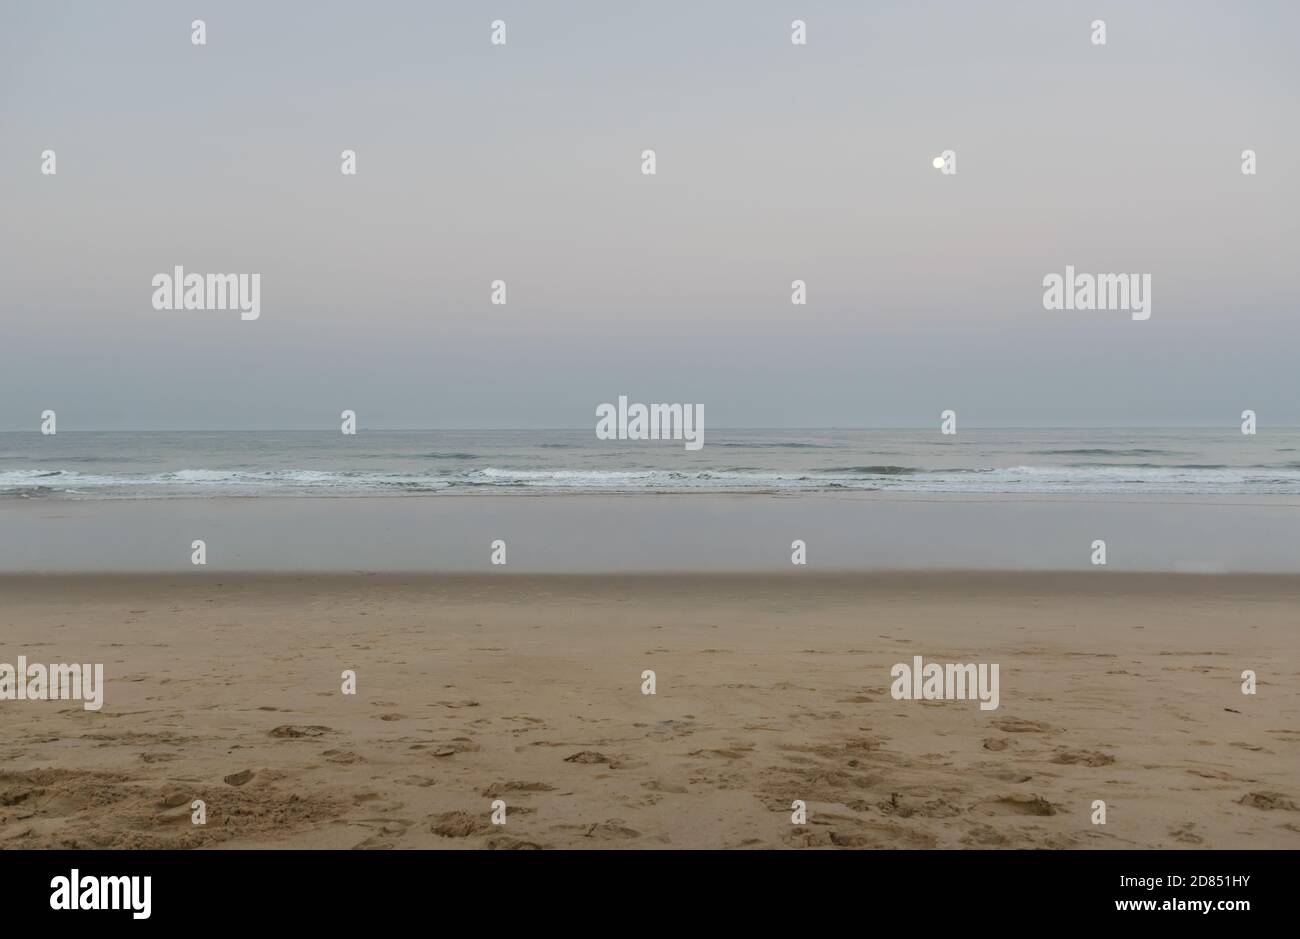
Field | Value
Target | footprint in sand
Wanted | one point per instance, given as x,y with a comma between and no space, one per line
845,832
459,825
934,808
1268,801
1083,758
1016,725
386,838
611,830
728,753
985,836
512,844
496,790
456,745
1021,804
288,731
807,838
375,843
343,756
587,756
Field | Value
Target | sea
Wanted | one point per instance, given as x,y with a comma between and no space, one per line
72,465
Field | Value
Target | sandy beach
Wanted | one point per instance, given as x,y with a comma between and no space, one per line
770,688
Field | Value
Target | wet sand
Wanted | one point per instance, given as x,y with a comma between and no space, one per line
698,533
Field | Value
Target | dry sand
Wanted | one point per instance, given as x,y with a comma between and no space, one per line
1119,687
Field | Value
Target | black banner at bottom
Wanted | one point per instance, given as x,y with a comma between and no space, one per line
302,889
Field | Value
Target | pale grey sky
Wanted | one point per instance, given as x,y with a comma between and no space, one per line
522,162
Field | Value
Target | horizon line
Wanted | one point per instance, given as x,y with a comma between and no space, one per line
738,427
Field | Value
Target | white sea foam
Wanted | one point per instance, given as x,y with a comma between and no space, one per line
1027,479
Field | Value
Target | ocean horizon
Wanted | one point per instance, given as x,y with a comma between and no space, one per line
1083,461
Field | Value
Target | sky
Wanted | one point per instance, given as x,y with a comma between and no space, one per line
522,163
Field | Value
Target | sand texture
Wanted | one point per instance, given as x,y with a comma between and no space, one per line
770,688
